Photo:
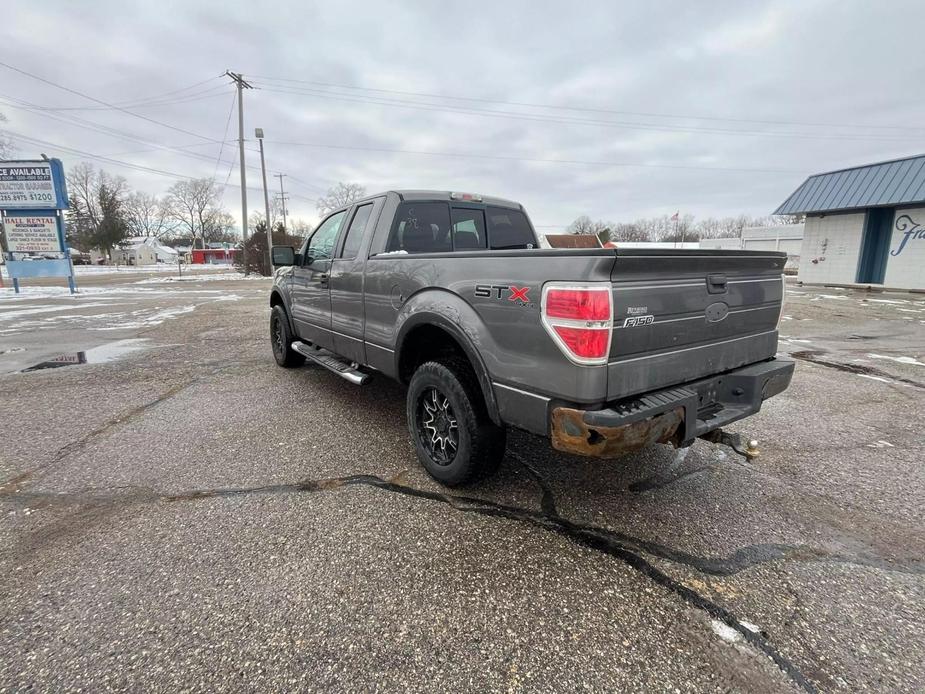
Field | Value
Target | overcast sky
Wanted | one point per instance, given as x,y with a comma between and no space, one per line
622,109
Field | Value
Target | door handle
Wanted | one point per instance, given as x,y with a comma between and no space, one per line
716,284
324,278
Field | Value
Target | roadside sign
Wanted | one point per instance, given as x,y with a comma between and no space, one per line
32,235
32,195
32,185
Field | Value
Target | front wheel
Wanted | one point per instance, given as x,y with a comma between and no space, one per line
281,340
453,436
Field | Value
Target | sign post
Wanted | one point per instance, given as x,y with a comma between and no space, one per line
32,197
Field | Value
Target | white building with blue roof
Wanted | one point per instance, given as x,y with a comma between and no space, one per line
864,225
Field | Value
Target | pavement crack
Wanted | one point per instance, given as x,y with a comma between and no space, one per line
812,356
626,548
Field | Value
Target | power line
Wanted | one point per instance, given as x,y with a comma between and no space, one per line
107,160
161,99
103,103
589,109
536,159
112,132
218,160
511,115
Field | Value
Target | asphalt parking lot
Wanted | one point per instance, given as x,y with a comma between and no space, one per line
176,512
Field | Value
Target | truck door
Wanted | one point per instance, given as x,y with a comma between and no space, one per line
347,268
311,295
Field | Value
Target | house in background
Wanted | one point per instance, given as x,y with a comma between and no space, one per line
864,225
143,250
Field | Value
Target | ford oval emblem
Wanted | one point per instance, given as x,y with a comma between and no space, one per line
716,312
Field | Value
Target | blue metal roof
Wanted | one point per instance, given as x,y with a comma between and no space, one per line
896,182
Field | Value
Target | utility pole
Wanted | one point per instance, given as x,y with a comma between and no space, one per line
266,201
282,199
238,79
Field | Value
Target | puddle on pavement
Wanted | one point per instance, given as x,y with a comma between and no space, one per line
96,355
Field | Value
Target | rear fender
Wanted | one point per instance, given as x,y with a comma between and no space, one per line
458,319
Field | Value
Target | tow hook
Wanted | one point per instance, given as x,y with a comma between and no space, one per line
748,450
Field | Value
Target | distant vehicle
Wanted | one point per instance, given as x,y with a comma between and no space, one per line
604,351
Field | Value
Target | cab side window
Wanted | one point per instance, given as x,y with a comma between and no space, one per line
355,231
321,243
509,229
421,227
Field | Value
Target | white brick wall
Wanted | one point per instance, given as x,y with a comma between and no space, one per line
907,270
834,243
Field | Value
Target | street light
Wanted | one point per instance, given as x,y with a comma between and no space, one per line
266,200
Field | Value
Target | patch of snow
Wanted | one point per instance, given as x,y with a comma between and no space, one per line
881,444
141,269
876,378
202,278
900,360
888,301
32,310
724,631
153,319
754,628
836,297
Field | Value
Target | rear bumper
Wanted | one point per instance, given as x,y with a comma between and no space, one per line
673,415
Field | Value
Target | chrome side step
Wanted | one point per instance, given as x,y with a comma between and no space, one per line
332,363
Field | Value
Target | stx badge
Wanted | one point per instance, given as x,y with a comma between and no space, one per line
486,291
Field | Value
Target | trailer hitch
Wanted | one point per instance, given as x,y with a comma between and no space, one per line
748,450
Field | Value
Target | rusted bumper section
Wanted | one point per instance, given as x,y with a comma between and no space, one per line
677,415
572,434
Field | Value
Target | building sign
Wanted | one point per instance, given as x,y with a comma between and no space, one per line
32,235
910,230
30,185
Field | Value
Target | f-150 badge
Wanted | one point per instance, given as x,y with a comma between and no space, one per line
636,321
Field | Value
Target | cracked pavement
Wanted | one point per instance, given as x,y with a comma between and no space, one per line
189,516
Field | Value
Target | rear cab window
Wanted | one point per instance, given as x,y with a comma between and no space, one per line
441,227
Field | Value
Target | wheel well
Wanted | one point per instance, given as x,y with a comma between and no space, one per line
276,299
429,343
426,343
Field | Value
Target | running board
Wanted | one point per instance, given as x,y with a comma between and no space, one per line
331,363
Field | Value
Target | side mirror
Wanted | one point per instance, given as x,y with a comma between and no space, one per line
283,255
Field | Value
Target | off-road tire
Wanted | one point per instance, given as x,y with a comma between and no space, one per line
281,342
481,443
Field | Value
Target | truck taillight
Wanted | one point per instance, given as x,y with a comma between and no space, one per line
580,304
579,318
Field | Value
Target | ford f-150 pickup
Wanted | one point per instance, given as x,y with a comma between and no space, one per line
603,351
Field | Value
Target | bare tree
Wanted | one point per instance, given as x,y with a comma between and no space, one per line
146,215
300,227
585,225
193,206
6,144
629,232
340,195
96,215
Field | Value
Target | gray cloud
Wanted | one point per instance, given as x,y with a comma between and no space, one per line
746,86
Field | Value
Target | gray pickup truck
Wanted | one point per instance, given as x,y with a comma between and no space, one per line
603,351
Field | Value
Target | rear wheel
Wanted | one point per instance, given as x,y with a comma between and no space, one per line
453,436
281,340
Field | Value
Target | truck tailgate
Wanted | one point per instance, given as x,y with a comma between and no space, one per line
682,315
